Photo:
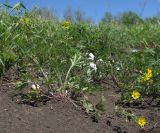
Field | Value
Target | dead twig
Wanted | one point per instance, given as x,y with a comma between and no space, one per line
115,81
70,100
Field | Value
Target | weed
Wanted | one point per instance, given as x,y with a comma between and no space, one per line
71,57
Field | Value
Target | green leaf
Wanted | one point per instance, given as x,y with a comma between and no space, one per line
88,106
100,106
17,6
22,5
19,85
1,62
7,5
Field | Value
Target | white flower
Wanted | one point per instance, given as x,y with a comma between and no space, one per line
134,50
91,56
93,65
100,60
118,68
37,86
28,81
85,88
33,86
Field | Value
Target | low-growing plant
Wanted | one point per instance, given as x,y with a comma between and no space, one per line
141,121
71,58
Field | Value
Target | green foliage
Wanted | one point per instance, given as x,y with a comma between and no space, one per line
19,85
107,19
153,20
59,57
88,106
130,18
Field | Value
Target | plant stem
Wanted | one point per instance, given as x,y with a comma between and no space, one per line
67,75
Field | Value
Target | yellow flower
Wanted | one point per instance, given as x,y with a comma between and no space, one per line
148,75
142,121
25,21
149,71
66,24
135,95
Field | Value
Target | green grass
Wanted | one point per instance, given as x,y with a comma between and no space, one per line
38,45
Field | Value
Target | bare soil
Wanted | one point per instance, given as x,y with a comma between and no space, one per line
64,117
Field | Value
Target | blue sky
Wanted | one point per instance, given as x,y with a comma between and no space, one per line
96,8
